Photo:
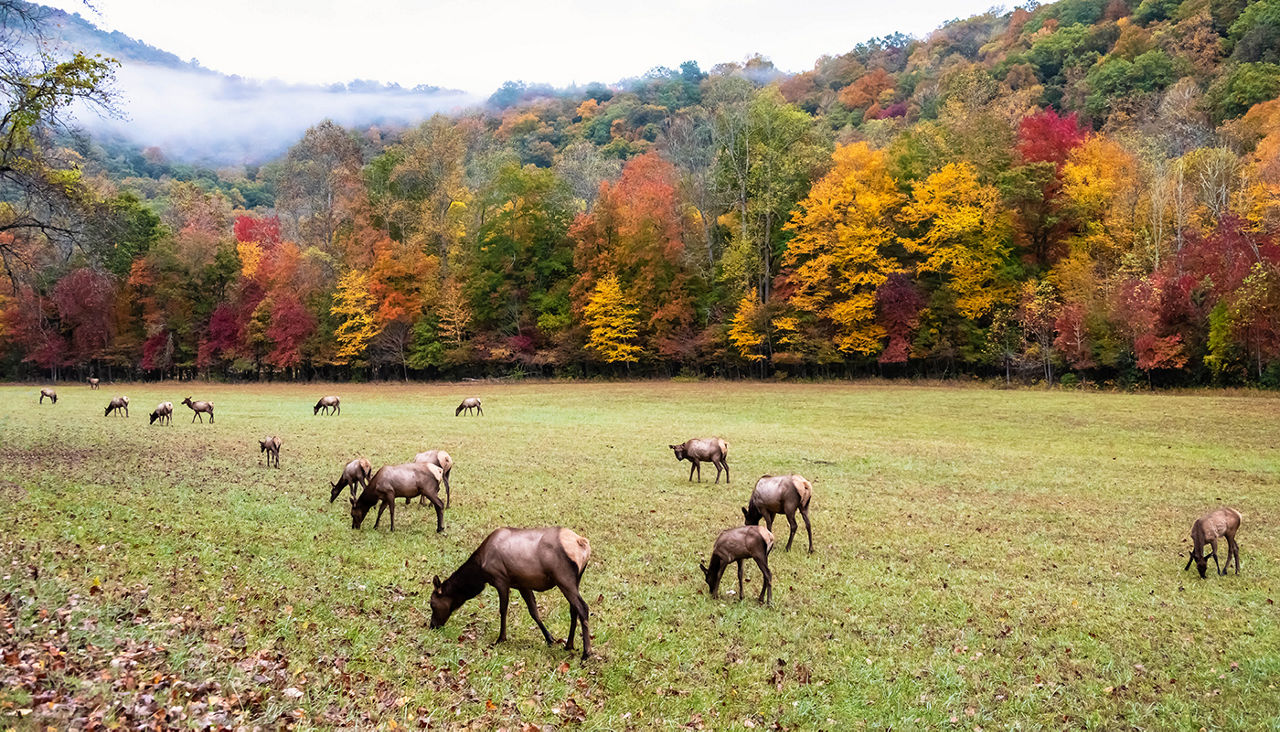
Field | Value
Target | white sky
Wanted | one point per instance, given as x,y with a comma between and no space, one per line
475,46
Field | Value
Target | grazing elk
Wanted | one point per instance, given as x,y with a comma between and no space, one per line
736,545
120,403
1207,530
50,393
93,383
468,404
271,446
163,413
355,473
775,494
525,560
399,481
441,459
712,449
199,409
330,404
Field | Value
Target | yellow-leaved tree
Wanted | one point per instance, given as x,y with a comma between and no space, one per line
614,323
744,331
961,237
842,248
355,306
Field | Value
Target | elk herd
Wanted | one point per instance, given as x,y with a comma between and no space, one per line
531,560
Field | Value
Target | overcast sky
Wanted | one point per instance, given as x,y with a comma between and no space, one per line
475,46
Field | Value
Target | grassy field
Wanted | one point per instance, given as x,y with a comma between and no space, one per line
983,558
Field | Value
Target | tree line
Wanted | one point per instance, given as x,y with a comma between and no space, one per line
1084,190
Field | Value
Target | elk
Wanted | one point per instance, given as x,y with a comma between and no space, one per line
93,383
271,446
780,494
163,413
50,393
116,405
441,459
468,404
525,560
711,449
399,481
1207,530
355,473
198,409
736,545
330,404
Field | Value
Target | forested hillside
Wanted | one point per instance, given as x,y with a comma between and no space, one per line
1084,190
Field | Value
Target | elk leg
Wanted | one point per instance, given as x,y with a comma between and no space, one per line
533,612
392,503
580,612
725,462
439,505
1190,558
1235,550
804,512
767,579
791,521
504,597
691,466
480,410
739,580
768,520
1214,543
382,507
448,499
717,464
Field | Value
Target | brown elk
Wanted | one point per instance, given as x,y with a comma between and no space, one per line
355,473
93,383
441,459
713,450
1207,530
525,560
271,446
775,494
468,404
330,405
50,393
399,481
736,545
163,413
198,409
118,404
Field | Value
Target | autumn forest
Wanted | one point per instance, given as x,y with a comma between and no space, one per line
1082,191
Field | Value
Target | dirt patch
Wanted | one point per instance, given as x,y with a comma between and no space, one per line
11,491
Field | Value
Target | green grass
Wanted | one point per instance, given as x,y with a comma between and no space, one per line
983,558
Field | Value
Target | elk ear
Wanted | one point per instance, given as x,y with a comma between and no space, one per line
745,513
703,565
436,581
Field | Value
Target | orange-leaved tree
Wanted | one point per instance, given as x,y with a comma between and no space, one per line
355,307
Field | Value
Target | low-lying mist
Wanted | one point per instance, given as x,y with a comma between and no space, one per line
198,116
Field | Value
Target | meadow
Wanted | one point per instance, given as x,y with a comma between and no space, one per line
983,559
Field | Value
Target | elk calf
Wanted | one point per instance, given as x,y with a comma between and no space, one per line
50,393
120,403
330,405
441,459
163,413
468,404
711,449
271,446
780,494
525,560
355,473
199,409
93,383
1207,530
736,545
